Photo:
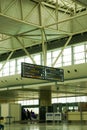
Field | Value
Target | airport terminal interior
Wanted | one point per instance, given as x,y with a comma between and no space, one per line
43,62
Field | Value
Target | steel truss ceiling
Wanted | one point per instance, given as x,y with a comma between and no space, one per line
27,23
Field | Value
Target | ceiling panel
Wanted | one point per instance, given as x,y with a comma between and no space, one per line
10,26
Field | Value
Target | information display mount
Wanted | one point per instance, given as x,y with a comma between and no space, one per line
41,72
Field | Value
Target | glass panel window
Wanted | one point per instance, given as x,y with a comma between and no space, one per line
0,70
66,63
29,102
19,60
86,52
67,56
81,99
70,108
5,70
78,49
79,61
54,100
63,100
12,67
48,58
71,99
37,59
55,54
79,54
58,63
36,102
28,60
33,109
67,51
79,58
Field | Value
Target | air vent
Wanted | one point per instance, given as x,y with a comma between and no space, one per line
75,71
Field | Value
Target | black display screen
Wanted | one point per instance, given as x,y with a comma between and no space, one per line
32,71
41,72
55,74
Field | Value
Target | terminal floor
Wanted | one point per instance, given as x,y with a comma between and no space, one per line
46,126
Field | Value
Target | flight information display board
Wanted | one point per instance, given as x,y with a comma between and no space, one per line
55,74
32,71
41,72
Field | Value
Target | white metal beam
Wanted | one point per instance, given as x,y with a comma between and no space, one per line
67,19
7,60
44,48
62,50
25,50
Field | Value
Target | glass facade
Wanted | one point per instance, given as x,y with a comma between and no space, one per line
70,99
76,54
29,102
79,54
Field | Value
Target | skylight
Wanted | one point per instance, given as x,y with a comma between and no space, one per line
67,4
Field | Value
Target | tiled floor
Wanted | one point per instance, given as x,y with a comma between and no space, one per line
46,126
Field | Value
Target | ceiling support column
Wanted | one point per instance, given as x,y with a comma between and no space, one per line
44,104
45,98
44,48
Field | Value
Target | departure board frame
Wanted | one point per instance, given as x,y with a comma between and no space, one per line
34,71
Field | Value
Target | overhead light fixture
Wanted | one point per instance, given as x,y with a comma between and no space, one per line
68,71
17,87
39,85
2,89
75,70
78,85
